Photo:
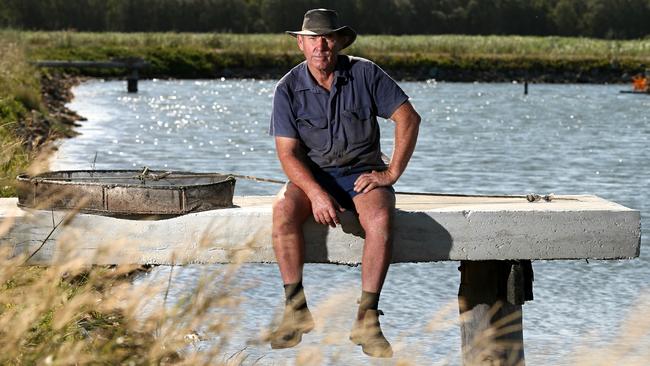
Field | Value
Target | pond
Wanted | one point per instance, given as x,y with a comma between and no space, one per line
475,138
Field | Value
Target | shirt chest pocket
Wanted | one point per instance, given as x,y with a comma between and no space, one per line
359,125
313,132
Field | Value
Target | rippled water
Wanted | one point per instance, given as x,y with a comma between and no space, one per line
475,138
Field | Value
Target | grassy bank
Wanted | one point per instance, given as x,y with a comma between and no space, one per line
20,103
447,57
62,314
32,113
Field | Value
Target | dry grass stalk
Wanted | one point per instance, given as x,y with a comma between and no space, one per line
70,313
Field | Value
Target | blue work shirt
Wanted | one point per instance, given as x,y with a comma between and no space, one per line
337,129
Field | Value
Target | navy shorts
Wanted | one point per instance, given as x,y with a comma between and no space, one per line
339,183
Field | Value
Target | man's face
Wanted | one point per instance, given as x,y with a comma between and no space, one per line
320,51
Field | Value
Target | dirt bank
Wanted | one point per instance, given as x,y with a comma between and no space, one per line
39,128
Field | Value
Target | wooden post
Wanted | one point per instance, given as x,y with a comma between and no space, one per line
491,327
132,81
526,87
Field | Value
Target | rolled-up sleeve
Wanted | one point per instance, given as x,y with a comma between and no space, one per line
282,115
387,94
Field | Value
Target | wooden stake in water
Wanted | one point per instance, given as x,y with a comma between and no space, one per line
526,87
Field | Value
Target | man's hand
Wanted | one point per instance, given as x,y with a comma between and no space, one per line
369,181
325,209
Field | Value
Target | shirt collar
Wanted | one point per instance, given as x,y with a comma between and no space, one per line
305,81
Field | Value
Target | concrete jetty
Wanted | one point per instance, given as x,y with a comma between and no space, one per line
494,238
427,228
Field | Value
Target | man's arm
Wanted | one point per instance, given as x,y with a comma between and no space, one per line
294,164
407,125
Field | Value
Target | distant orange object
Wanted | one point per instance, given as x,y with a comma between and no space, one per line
640,83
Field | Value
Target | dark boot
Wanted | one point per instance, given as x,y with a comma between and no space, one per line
295,322
367,333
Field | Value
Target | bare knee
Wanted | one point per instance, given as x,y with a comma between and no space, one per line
284,212
378,224
289,213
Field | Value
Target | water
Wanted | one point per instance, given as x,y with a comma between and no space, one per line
475,138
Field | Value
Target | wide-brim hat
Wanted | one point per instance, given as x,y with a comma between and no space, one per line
320,22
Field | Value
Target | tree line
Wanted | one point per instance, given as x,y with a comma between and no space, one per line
613,19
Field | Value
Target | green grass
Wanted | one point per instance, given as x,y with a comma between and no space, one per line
519,46
210,55
452,45
19,95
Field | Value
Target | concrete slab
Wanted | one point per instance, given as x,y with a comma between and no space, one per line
427,228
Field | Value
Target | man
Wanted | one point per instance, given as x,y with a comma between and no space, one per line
324,121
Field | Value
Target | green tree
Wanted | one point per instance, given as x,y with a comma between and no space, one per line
114,17
5,15
594,18
569,17
628,19
617,18
138,15
281,15
520,17
376,16
224,16
482,17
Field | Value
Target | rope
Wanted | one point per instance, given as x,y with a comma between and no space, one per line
531,197
258,179
147,175
141,177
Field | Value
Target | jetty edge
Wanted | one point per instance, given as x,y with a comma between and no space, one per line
427,228
494,238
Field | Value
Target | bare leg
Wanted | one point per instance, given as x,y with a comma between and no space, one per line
290,211
375,210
